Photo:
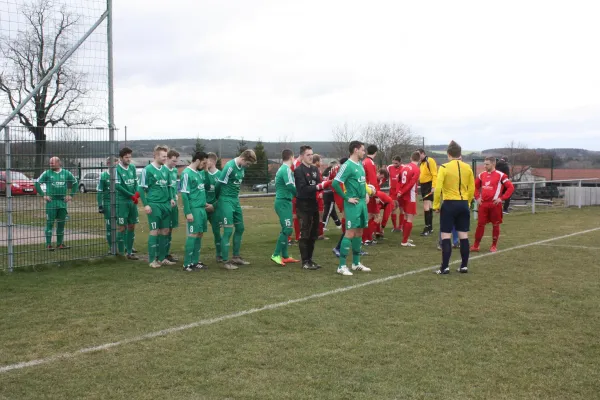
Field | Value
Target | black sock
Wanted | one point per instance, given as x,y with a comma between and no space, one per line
304,250
446,252
339,243
464,252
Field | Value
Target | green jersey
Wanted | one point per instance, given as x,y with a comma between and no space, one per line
352,175
103,189
285,186
156,182
174,175
210,179
231,179
57,184
126,183
193,190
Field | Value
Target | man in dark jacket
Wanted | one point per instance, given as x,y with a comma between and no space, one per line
502,166
308,183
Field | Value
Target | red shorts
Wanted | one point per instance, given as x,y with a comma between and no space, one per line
409,207
373,207
320,202
339,202
393,193
490,213
400,201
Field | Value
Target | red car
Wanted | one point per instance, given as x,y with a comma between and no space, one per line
20,184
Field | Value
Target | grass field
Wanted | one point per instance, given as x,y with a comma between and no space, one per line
523,324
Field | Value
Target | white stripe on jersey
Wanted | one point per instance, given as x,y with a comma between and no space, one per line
340,173
143,179
499,188
229,171
184,184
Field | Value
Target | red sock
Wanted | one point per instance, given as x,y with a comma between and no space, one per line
387,211
407,230
479,234
495,234
401,224
321,226
372,228
297,228
395,221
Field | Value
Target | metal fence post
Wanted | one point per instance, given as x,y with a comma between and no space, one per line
9,219
533,199
579,194
111,128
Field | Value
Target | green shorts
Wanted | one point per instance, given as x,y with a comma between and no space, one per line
199,223
175,217
230,211
357,215
127,213
283,208
56,210
160,218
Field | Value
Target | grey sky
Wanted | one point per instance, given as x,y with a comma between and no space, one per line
483,73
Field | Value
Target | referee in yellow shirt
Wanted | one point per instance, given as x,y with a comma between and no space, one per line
456,184
427,181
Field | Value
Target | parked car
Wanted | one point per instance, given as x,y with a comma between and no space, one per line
21,184
89,182
264,187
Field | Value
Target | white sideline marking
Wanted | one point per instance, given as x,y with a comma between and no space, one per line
164,332
570,246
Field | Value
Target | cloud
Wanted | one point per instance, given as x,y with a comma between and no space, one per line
478,72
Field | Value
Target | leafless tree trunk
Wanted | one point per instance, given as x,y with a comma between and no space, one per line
342,135
28,58
391,139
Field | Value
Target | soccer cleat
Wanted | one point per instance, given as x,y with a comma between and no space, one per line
134,251
310,266
493,249
364,253
369,243
360,267
237,260
408,244
229,266
63,247
336,252
456,246
278,260
171,258
132,257
443,271
50,248
338,226
292,242
200,266
188,268
425,232
439,247
396,230
314,264
167,262
290,260
475,248
155,264
344,271
219,260
463,270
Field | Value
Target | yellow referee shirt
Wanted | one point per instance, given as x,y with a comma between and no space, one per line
429,171
455,181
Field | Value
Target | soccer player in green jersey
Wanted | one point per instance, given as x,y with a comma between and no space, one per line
211,173
103,199
352,175
193,191
172,161
57,197
127,195
285,191
157,196
230,210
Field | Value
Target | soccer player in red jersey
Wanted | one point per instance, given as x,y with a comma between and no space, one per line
373,207
407,195
393,171
387,203
320,203
295,164
489,187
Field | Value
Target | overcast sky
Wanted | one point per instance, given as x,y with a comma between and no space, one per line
480,72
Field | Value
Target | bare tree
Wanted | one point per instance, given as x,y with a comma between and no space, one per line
28,58
284,142
391,139
342,135
520,158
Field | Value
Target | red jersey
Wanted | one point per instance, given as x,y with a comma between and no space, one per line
333,172
407,182
296,164
394,172
371,172
488,186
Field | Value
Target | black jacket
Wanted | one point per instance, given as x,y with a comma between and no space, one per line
307,179
502,166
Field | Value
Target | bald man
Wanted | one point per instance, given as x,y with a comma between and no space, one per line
57,196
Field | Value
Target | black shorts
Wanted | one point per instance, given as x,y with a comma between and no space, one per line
455,214
426,191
